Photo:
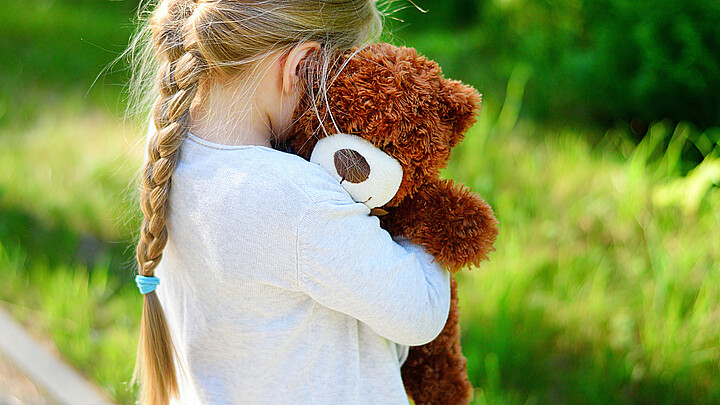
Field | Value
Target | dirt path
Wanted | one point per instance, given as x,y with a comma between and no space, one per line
15,388
49,378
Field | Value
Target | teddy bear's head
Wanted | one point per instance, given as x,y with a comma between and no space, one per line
398,101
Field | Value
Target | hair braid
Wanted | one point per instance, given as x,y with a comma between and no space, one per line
178,76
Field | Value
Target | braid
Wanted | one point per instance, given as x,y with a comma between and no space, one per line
181,68
179,82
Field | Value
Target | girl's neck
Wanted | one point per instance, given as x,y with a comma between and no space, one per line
227,127
222,118
236,112
251,109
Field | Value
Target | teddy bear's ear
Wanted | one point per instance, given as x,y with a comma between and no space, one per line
462,104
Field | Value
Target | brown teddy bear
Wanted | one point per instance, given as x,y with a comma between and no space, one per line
392,99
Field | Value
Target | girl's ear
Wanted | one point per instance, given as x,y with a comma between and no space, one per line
290,63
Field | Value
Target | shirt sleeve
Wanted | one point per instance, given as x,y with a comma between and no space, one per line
346,262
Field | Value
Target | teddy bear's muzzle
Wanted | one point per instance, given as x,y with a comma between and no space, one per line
369,175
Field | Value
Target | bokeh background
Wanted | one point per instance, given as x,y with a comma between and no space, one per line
597,146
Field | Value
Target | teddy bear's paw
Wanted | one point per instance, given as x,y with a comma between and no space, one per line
453,223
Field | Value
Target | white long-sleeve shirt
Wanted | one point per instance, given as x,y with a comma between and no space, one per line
280,289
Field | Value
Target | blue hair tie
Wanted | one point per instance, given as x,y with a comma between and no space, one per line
146,284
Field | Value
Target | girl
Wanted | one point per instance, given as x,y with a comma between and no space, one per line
276,286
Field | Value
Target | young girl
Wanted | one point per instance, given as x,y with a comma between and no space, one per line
275,286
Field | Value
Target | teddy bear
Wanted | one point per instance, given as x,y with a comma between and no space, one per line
385,127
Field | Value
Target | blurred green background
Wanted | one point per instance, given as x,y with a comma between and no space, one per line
597,146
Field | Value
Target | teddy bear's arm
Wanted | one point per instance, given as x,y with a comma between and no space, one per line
453,224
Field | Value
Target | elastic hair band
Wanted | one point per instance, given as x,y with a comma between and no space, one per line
146,284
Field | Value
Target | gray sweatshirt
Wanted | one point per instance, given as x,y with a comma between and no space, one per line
280,289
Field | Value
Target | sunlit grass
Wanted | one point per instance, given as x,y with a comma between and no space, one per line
66,222
604,286
75,167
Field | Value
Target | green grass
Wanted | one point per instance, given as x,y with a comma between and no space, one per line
51,48
67,220
603,288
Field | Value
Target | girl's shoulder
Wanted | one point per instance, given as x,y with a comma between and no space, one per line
265,170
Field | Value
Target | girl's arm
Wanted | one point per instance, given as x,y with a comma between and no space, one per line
348,263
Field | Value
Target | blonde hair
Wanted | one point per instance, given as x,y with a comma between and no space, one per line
183,44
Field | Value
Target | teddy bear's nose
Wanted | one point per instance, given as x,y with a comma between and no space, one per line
351,166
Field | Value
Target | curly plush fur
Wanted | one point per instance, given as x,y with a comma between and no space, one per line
401,103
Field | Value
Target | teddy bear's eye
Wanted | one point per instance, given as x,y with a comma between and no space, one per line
351,166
